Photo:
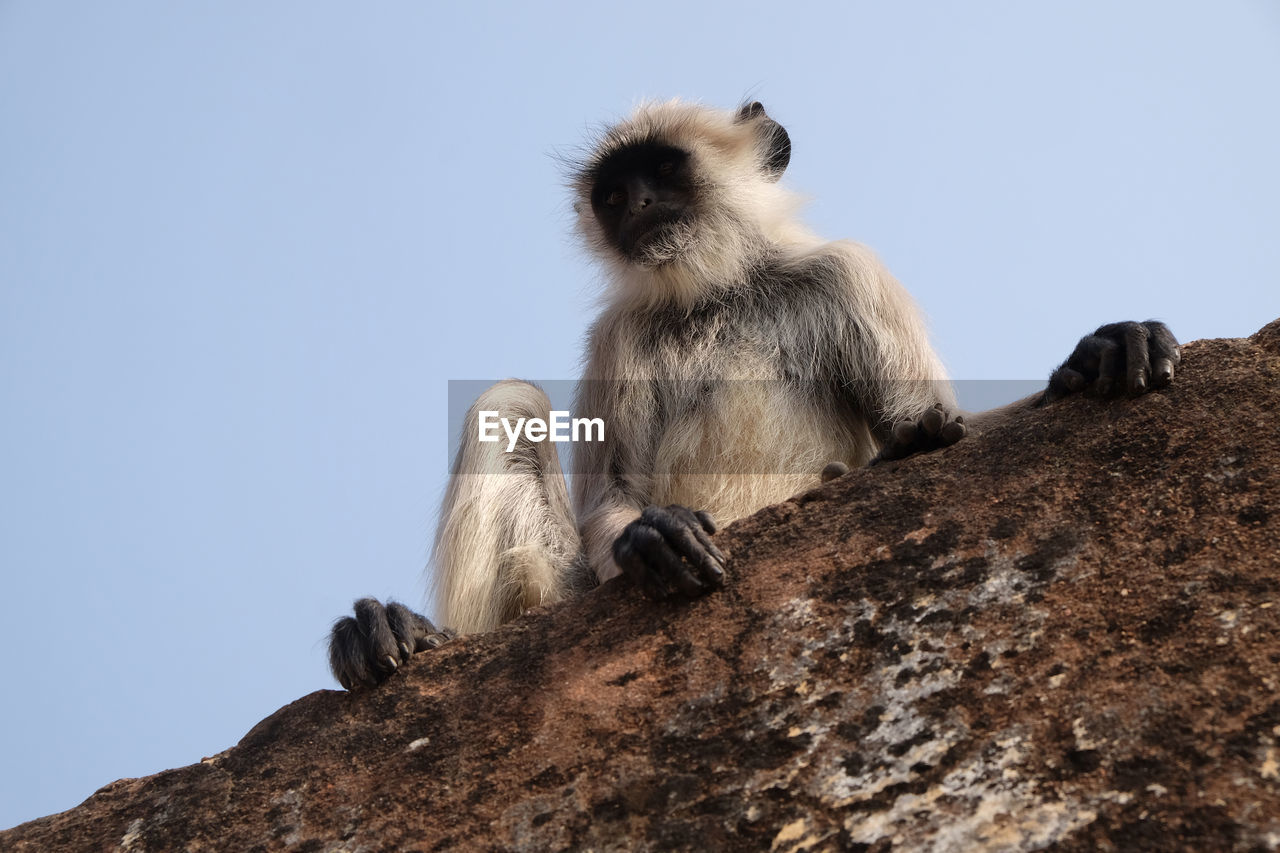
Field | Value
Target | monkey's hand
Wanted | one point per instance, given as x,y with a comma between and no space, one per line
366,648
1118,358
935,429
668,551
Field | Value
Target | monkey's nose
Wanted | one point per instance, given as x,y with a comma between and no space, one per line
640,193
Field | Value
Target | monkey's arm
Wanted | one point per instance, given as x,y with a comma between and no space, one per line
1118,358
599,528
883,359
608,490
663,550
900,383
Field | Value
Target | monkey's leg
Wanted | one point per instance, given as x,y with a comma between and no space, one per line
507,539
506,542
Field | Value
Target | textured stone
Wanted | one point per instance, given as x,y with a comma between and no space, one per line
1062,634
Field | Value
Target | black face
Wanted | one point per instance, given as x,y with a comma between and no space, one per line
641,191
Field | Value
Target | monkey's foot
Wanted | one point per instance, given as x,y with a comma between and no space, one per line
366,648
668,551
935,429
1118,358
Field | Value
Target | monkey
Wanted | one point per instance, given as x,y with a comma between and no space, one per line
738,360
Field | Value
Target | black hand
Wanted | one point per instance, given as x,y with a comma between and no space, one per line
668,551
364,650
1117,358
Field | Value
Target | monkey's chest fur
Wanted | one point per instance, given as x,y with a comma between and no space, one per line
734,412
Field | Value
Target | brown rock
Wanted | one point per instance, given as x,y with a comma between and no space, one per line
1064,633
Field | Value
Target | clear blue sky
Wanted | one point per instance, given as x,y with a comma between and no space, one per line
243,247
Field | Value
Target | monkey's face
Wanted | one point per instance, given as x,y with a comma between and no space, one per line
644,198
680,200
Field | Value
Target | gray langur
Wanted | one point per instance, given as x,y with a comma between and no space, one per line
736,356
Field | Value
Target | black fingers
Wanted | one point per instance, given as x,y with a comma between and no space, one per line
668,551
414,632
629,553
953,431
695,556
1137,359
935,429
1066,380
1165,354
1108,363
1118,358
366,648
346,659
904,432
931,422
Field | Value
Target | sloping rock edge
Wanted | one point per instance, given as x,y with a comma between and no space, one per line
1063,634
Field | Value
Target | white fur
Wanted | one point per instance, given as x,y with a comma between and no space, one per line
505,530
744,211
736,436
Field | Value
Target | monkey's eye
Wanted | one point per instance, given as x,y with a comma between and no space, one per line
666,167
615,198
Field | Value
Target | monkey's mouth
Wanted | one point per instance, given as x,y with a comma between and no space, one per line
663,241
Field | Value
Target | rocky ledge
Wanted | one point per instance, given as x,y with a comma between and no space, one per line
1063,634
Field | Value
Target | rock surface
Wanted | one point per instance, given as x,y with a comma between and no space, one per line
1062,634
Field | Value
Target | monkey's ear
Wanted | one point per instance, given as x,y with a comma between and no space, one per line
776,148
779,142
